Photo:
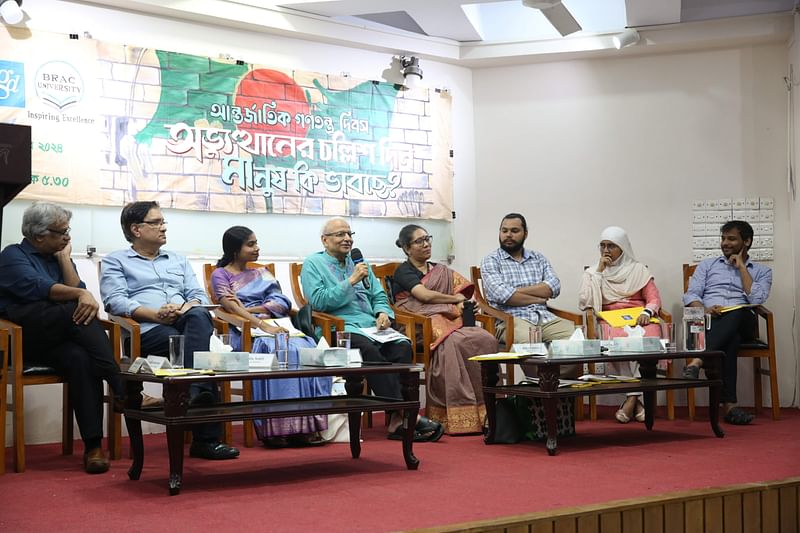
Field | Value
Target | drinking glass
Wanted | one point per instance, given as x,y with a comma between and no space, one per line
282,349
176,343
668,336
343,339
534,334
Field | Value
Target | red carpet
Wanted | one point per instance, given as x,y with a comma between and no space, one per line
460,479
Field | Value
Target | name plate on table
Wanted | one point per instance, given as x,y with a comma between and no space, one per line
636,344
263,360
571,347
329,356
222,360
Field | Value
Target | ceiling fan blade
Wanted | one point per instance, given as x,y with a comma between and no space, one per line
561,19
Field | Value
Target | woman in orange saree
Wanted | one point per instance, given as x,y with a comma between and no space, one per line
454,395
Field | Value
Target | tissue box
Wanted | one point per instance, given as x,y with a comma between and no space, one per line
571,347
323,356
636,344
222,360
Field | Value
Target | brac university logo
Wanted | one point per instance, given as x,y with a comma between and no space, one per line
59,84
12,84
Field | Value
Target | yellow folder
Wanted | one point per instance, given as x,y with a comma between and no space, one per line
619,318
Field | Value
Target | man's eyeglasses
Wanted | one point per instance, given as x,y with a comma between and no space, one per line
340,234
61,232
155,223
422,240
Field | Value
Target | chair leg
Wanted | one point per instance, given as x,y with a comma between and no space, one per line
19,427
758,399
67,424
670,395
593,408
579,408
3,409
690,402
773,387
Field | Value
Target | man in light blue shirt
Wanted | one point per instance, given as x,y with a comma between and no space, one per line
725,281
159,289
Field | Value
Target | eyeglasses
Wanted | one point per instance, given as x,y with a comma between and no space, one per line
422,240
340,234
155,223
62,232
607,245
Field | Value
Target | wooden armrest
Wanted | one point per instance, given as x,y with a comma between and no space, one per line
664,315
230,318
567,315
487,321
10,327
133,329
763,312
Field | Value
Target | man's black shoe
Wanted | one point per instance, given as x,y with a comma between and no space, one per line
213,450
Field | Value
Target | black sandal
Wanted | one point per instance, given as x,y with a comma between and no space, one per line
738,417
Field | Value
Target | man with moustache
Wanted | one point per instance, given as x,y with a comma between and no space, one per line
333,284
519,282
728,280
159,289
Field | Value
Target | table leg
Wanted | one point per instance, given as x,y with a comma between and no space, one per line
176,403
133,401
409,384
648,370
490,376
548,382
714,372
354,385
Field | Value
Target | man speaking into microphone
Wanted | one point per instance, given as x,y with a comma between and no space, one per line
338,281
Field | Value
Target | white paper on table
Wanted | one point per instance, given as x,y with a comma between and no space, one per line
383,335
285,323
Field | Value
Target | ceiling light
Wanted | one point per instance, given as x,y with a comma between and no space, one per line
626,38
557,14
412,74
11,11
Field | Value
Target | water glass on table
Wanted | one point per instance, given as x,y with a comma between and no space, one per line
534,334
176,343
282,349
343,339
668,336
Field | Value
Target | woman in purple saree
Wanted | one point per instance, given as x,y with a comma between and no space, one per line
454,395
254,294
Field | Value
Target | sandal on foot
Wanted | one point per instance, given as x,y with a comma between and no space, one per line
621,417
398,434
433,429
738,417
691,372
638,412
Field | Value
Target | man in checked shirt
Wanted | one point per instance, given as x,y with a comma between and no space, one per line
519,282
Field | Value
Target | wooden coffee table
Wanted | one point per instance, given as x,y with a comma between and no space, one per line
177,415
548,390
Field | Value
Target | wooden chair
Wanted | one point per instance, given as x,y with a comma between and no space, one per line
591,332
295,269
755,348
422,323
3,396
21,375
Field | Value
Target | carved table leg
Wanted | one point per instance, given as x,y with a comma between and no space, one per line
713,372
490,376
409,384
548,382
176,403
648,370
354,385
134,401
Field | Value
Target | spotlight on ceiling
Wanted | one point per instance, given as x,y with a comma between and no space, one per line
412,74
626,38
11,11
558,15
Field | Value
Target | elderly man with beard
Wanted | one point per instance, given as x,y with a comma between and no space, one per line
717,284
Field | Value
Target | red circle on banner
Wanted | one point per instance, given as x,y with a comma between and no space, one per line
258,90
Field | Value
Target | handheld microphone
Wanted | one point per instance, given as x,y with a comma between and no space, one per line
355,255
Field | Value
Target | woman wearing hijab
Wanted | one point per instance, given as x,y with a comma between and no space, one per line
619,281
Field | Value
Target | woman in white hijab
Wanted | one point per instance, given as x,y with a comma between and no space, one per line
619,281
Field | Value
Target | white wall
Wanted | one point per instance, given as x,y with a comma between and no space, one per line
631,142
375,236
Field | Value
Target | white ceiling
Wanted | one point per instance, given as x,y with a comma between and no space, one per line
490,32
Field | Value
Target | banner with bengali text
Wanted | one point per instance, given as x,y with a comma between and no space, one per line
116,123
